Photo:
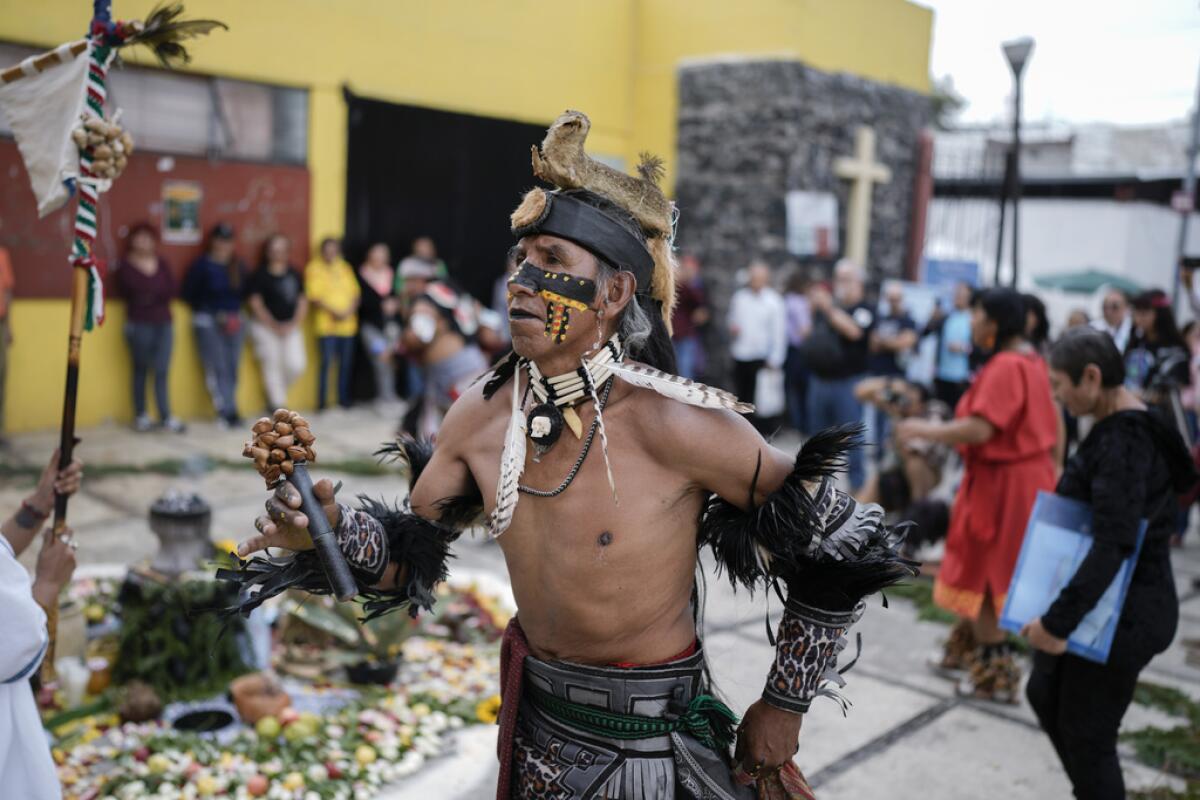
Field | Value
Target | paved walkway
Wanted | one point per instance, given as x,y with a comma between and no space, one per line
906,735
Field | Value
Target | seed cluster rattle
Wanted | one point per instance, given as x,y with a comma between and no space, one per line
281,448
280,442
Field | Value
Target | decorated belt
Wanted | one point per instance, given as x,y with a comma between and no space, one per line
706,719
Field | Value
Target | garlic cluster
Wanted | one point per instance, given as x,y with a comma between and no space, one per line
110,146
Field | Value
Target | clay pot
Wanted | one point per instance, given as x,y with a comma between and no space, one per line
256,696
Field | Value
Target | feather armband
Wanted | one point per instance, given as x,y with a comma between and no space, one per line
830,550
806,655
371,538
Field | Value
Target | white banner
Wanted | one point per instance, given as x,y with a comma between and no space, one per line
42,108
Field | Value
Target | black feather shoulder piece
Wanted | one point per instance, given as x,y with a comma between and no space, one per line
458,512
830,550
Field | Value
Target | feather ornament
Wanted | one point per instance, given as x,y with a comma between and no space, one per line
457,512
830,550
612,484
682,389
512,464
163,32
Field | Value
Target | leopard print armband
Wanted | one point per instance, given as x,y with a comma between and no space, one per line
806,653
364,542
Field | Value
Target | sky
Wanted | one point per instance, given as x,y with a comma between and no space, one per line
1122,61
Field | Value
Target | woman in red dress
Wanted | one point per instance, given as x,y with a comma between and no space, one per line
1006,428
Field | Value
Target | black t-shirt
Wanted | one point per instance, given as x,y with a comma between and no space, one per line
279,293
888,327
832,356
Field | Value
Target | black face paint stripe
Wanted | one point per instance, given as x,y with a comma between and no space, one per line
546,283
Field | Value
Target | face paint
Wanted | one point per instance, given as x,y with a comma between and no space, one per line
558,320
561,292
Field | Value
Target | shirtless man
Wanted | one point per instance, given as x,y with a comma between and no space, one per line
440,328
603,571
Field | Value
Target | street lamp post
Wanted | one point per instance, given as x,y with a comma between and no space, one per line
1016,52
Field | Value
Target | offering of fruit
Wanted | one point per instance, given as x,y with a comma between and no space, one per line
268,727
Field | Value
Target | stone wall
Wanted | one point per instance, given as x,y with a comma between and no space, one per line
750,131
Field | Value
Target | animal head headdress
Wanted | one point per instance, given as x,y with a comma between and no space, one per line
562,162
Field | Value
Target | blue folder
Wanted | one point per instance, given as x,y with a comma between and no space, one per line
1058,538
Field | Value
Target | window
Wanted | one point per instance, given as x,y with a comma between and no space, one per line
180,113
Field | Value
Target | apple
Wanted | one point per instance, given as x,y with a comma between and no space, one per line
257,785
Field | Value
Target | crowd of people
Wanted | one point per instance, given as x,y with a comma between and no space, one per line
420,335
1106,413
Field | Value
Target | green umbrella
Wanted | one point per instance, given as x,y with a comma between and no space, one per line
1087,281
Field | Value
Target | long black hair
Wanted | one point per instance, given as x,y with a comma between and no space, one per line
1039,331
1166,332
1005,307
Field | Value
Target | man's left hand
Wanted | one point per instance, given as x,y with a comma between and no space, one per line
53,481
767,739
1041,639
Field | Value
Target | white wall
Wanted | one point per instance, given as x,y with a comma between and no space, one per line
1136,240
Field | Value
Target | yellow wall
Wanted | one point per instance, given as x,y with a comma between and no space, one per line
524,60
37,367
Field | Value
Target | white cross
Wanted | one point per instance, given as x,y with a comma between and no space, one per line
863,171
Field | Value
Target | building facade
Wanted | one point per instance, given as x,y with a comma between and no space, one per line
522,61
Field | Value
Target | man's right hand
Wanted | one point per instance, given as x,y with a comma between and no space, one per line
284,525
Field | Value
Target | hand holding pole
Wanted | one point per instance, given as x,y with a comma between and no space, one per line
281,449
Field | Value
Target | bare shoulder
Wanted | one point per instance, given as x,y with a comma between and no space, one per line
471,413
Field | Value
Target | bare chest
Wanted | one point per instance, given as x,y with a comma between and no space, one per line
582,520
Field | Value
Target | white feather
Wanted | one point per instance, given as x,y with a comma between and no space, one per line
677,388
612,484
512,464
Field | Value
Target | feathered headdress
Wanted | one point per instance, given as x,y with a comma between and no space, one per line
562,161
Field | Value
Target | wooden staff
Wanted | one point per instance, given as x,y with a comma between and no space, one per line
67,439
59,55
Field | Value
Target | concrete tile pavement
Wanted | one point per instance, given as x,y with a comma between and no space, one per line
905,736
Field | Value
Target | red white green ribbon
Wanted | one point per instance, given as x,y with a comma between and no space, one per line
87,212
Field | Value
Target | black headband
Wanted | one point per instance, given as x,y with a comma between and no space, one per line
591,228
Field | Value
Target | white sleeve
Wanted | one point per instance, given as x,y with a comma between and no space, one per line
23,623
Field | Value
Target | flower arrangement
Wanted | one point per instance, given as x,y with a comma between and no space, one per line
347,753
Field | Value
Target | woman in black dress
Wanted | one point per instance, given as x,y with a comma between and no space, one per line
1131,467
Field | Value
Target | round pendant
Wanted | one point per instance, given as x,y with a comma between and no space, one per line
544,424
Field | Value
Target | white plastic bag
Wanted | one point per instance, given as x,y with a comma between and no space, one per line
768,392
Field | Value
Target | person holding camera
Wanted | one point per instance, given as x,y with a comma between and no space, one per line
912,469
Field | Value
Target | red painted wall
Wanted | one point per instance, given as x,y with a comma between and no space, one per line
258,199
